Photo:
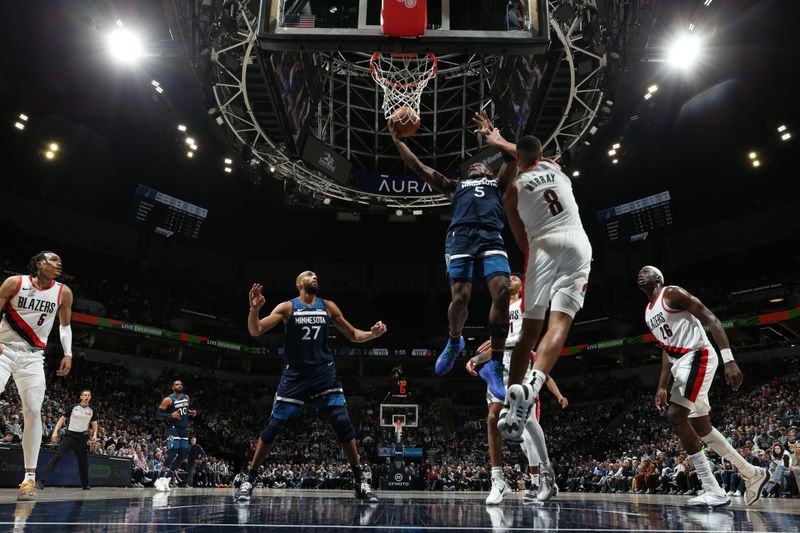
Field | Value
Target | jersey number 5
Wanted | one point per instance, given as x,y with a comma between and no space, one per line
479,192
41,319
551,198
307,332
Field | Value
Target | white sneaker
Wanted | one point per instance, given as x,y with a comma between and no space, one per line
499,489
520,400
709,499
737,494
754,484
731,493
547,488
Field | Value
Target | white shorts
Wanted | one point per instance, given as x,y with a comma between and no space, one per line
25,365
506,364
693,374
556,274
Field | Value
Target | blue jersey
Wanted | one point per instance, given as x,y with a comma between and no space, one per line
182,406
306,341
478,203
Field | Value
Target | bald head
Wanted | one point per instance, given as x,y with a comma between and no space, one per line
307,282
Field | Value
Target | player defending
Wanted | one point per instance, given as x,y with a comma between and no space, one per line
474,244
544,219
30,304
534,444
174,410
309,374
676,319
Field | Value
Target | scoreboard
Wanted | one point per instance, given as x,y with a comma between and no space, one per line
166,214
401,387
633,221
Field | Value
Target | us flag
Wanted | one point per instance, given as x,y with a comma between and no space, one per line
298,21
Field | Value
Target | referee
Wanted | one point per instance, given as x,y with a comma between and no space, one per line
80,417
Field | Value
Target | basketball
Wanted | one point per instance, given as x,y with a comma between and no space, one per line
406,121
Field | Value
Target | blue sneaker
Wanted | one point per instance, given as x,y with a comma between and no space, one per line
492,374
446,359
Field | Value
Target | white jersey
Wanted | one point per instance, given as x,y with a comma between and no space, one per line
677,332
514,323
29,314
545,201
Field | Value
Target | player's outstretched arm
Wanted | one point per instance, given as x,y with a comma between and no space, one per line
485,127
351,333
65,331
256,326
553,388
679,298
512,215
430,176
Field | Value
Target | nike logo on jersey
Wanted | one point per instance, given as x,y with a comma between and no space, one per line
540,180
36,305
656,320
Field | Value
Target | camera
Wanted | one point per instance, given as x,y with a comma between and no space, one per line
397,372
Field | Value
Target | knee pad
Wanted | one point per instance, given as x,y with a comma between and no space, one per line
274,428
337,417
497,330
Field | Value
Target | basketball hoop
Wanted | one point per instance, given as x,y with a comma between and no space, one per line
403,77
398,428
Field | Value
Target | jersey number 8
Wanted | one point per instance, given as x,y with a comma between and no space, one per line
551,198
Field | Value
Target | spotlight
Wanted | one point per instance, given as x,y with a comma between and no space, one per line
326,201
49,154
781,128
24,118
125,46
612,153
752,155
154,83
648,96
416,212
193,147
592,130
615,161
652,88
190,154
189,141
228,161
228,170
707,2
575,173
615,146
53,147
19,125
786,136
776,300
685,52
691,26
756,163
220,121
159,90
399,212
271,168
181,127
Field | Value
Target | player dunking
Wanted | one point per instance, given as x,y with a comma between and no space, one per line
544,219
174,410
474,245
30,304
533,444
309,374
676,319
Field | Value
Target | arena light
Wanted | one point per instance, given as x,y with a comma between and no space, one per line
612,153
781,128
576,173
786,136
125,46
707,2
691,26
615,161
648,96
190,154
616,146
189,141
159,90
652,88
50,154
19,125
154,83
326,201
416,212
193,147
271,168
399,212
228,161
776,300
752,155
685,52
228,170
24,118
756,163
181,127
53,147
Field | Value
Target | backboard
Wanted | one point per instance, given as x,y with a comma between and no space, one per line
393,411
454,26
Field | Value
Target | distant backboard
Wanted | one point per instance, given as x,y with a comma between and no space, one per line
394,411
454,26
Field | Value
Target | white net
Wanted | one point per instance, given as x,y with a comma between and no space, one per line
403,78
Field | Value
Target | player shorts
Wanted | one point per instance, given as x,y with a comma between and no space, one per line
320,385
475,252
693,374
178,438
556,274
26,365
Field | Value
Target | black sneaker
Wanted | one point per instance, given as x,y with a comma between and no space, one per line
40,485
244,492
365,493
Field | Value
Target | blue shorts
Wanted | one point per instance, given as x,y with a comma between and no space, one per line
475,252
178,438
319,385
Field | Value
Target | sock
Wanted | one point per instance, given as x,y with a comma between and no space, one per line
30,476
703,470
497,472
723,448
538,380
535,480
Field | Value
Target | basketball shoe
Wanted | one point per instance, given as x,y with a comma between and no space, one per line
547,487
499,490
492,374
709,499
446,359
520,400
754,485
244,492
27,491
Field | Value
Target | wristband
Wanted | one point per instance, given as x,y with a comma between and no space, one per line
727,355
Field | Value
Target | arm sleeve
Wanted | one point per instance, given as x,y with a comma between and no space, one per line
65,333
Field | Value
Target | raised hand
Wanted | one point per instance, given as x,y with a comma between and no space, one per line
255,297
392,127
378,329
482,123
